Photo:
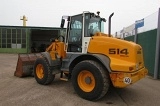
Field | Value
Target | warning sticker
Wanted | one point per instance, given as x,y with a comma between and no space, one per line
127,80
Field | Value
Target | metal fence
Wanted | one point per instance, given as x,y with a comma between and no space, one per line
146,32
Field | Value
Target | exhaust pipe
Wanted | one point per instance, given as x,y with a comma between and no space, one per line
109,25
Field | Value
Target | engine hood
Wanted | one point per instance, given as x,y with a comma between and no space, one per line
123,54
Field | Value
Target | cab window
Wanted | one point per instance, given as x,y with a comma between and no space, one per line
75,35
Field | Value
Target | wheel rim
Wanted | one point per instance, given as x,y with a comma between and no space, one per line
86,81
40,71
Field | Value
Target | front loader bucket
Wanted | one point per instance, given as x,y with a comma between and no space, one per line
25,64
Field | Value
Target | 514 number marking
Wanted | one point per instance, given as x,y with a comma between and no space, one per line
118,51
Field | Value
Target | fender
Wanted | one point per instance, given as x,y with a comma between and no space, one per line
105,60
50,61
74,59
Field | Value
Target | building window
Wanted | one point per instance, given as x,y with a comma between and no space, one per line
4,38
9,41
12,38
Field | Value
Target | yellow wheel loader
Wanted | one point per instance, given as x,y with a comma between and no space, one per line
91,59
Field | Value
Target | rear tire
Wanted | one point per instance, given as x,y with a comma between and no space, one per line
42,72
90,80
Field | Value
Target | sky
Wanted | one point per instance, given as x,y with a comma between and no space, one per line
48,13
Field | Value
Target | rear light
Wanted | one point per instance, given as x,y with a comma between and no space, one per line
139,52
131,68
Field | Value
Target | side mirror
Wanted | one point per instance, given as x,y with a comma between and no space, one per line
62,23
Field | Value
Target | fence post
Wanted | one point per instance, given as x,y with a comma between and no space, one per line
156,68
135,36
138,24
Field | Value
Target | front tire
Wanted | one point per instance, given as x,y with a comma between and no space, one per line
90,80
42,72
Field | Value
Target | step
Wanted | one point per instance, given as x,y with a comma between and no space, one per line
64,79
66,72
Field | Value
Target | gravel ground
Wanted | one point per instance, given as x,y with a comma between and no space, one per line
16,91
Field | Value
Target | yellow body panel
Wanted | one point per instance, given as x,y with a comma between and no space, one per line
126,58
123,54
121,65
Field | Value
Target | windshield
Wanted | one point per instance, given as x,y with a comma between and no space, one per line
92,25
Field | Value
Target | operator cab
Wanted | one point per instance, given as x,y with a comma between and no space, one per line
80,29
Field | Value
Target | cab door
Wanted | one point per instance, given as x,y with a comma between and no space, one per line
75,34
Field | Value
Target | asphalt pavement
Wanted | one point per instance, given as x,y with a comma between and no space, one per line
15,91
